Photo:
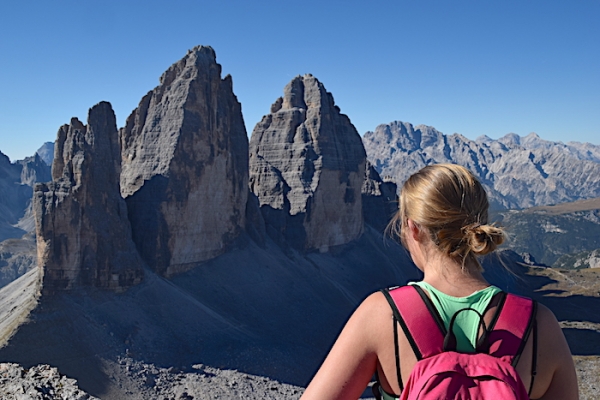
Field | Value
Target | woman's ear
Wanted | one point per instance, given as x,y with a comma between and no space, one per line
413,230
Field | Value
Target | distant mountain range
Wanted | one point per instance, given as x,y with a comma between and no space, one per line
518,172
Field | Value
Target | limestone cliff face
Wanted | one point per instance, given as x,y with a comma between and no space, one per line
185,166
307,167
83,235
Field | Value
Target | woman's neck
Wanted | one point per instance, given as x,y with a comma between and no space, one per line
449,276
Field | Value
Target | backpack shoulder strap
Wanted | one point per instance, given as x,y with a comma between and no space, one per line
513,323
416,315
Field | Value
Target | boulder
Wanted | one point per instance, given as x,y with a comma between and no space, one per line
185,166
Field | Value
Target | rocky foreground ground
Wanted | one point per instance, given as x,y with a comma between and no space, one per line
39,382
146,381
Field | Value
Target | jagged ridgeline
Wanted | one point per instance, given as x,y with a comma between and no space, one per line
516,172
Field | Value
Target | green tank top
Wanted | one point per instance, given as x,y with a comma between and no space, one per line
466,325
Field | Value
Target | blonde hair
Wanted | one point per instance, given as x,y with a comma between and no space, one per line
448,202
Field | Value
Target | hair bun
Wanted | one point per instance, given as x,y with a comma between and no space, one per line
483,239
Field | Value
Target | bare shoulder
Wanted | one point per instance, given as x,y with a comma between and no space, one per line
556,371
373,309
375,302
548,325
545,315
553,348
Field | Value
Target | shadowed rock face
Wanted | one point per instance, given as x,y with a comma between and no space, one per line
380,202
185,166
307,167
83,235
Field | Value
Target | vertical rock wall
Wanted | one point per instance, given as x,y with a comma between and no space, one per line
185,166
83,234
307,167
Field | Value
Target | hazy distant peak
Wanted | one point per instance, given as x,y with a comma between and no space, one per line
46,152
4,159
484,139
510,139
533,140
460,137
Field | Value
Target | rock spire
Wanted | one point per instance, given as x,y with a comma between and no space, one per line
83,235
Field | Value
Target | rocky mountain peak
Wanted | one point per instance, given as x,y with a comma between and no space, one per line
185,165
534,141
46,152
293,96
484,139
510,139
4,162
196,59
307,167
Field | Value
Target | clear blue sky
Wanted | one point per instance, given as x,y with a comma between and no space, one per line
472,67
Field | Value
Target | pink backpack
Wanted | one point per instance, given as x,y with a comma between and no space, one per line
442,373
